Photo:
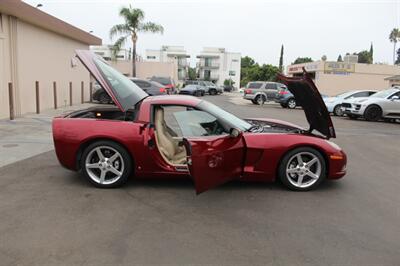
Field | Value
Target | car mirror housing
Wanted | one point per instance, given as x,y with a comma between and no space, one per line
234,133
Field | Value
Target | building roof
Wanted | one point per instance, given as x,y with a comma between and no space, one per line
395,77
35,16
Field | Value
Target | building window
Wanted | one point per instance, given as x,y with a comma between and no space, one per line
120,57
99,53
151,57
1,22
235,60
232,73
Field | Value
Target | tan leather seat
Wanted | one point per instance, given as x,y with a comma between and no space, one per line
167,145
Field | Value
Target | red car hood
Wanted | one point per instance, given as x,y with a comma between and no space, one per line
308,96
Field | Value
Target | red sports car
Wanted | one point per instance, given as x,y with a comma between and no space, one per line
183,136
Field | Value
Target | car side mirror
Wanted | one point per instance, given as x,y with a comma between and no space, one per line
234,133
395,98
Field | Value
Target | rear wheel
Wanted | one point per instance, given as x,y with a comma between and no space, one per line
106,164
260,99
302,169
338,110
373,113
291,103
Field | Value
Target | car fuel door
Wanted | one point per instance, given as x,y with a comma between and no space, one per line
216,160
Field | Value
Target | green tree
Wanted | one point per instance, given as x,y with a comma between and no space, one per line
301,60
247,61
192,73
228,82
394,37
364,57
281,60
133,24
339,59
398,57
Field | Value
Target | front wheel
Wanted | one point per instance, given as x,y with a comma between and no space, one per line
106,164
213,92
373,113
302,169
291,103
338,110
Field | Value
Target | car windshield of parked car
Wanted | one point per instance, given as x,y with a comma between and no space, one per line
223,115
344,95
384,94
209,83
126,92
254,85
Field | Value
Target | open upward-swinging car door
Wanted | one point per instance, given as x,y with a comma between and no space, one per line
215,161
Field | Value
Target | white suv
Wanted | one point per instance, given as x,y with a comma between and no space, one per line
383,104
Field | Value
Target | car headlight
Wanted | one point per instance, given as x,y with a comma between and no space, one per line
334,145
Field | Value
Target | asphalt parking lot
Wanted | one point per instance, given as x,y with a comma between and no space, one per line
50,215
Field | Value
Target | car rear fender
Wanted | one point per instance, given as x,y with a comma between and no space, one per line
87,142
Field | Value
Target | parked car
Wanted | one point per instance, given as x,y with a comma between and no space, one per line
195,90
210,87
286,99
381,105
150,87
185,137
258,92
228,88
334,104
168,83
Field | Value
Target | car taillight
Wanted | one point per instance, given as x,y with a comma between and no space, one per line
248,92
283,92
162,90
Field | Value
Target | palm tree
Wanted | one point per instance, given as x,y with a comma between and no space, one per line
394,37
133,25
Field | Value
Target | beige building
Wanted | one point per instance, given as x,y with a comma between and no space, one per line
333,78
35,46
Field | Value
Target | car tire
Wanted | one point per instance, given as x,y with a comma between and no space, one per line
338,110
254,101
373,113
202,94
108,169
296,175
104,98
260,99
283,105
212,92
291,103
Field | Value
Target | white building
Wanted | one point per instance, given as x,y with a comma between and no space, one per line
105,51
168,54
218,65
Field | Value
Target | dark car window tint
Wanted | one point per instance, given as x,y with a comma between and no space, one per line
254,85
396,94
360,94
163,81
270,86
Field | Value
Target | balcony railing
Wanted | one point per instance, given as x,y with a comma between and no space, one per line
208,64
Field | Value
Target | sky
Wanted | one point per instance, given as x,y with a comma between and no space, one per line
309,28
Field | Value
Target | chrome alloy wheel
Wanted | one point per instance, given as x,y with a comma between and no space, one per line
303,169
291,104
104,165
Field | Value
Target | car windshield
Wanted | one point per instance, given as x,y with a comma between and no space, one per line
163,81
384,94
209,83
254,85
224,115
